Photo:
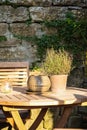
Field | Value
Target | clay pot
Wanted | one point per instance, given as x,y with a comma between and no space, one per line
58,83
39,83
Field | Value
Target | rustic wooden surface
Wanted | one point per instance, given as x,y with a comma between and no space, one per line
20,97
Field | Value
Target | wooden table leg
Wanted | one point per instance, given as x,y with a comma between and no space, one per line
64,117
35,124
18,120
38,119
14,114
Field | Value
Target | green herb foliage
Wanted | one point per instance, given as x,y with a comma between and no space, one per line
57,62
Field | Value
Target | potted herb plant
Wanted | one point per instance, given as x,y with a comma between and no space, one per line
58,66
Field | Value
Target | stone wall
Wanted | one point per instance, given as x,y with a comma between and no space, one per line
14,15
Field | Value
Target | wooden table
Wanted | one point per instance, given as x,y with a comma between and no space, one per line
20,99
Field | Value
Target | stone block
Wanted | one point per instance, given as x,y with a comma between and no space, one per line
9,14
76,77
23,29
48,124
75,122
70,2
28,2
15,50
3,28
47,13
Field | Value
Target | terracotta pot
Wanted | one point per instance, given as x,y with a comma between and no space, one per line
58,83
39,83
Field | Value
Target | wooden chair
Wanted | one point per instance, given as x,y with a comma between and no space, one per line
17,74
14,72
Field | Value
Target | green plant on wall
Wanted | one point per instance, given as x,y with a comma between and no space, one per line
71,35
3,38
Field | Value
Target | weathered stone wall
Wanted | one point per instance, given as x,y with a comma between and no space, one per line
14,15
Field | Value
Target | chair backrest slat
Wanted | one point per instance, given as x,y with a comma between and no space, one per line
16,73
